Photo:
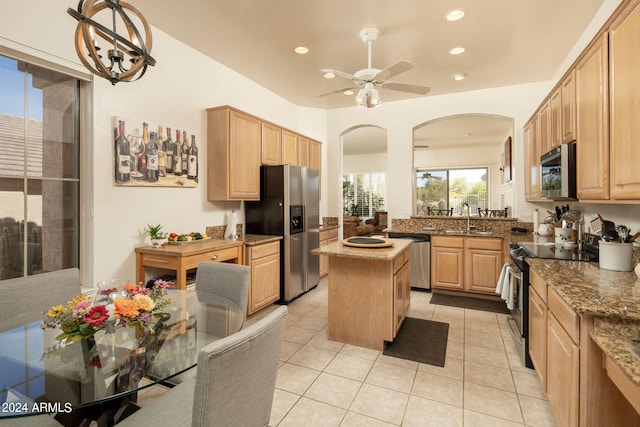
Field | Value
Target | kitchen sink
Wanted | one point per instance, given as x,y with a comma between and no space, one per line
468,232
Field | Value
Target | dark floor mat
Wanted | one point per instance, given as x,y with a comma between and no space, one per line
470,302
423,341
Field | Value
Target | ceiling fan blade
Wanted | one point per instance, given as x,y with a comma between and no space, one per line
339,73
393,70
338,91
420,90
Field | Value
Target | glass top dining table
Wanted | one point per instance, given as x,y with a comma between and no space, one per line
89,378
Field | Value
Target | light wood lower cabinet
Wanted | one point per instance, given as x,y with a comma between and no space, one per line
538,335
563,369
402,290
326,237
447,265
264,261
466,263
571,365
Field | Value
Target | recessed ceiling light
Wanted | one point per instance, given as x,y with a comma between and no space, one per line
301,50
456,50
329,75
455,15
458,76
347,92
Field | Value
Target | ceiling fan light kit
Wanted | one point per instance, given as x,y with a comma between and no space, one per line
369,79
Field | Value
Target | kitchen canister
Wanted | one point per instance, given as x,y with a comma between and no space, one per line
616,256
562,235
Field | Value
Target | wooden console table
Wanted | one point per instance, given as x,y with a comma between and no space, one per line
181,258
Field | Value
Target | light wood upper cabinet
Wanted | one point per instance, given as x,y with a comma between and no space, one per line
532,160
555,113
544,127
315,155
271,144
303,151
592,118
568,99
234,151
624,44
289,148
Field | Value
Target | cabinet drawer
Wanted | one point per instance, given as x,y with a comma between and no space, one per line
160,261
264,250
483,243
329,234
567,318
448,242
539,285
213,256
401,260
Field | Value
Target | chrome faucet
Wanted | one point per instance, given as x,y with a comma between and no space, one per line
468,215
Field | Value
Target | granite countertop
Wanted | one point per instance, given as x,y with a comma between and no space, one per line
612,297
506,235
256,239
382,254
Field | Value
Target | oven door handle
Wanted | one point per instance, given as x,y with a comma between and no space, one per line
517,337
512,271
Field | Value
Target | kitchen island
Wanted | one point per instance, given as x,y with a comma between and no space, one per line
369,292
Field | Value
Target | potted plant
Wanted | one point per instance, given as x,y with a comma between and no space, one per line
156,234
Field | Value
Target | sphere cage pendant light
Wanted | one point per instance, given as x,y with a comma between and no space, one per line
90,34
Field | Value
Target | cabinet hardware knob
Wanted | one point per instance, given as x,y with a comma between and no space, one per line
214,257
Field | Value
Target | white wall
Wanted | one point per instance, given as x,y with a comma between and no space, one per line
176,91
399,119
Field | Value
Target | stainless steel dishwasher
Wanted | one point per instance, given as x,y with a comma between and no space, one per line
420,258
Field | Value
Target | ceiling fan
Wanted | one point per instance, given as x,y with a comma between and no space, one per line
369,79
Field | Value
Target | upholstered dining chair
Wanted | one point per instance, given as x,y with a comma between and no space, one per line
234,385
22,298
231,281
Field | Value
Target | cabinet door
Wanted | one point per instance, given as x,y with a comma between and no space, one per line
482,268
245,153
544,123
447,268
529,137
532,160
271,144
563,363
555,115
592,115
402,289
538,335
289,148
303,151
625,108
568,98
265,282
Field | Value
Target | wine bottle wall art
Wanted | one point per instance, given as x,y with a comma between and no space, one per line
151,154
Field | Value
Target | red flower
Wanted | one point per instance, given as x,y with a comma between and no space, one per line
96,315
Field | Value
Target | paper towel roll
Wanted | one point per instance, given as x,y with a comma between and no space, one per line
536,221
232,222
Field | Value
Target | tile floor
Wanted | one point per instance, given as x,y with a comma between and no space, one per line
326,383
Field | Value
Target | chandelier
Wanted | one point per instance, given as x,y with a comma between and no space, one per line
127,56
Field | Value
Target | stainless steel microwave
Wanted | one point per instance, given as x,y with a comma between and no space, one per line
558,173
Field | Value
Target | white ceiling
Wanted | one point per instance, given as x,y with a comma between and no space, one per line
507,42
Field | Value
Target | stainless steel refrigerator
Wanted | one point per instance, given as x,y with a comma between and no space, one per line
289,207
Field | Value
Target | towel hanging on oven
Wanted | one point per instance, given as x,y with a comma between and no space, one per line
504,287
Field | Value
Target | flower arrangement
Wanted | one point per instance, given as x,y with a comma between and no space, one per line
129,306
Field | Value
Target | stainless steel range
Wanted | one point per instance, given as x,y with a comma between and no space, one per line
518,322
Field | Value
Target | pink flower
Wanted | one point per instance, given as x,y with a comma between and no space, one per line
97,315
